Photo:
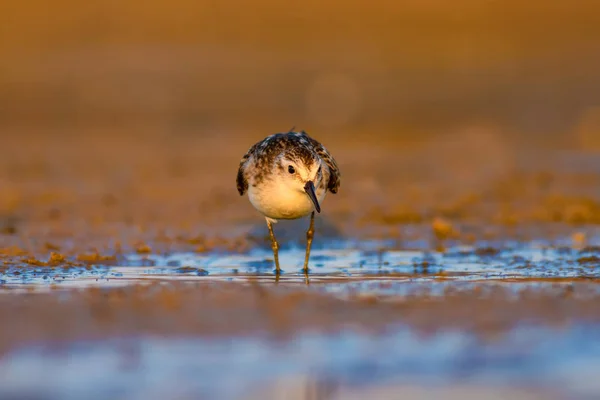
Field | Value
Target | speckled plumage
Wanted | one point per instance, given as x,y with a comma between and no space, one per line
254,166
287,176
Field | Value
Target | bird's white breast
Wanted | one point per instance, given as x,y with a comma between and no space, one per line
279,202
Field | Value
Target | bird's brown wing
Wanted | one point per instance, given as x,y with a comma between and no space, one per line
242,181
335,174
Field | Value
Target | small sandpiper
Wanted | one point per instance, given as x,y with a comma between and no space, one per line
287,176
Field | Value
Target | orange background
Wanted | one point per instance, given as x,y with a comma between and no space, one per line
412,68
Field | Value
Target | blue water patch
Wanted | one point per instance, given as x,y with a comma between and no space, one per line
566,361
353,262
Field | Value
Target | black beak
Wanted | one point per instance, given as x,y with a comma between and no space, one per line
309,188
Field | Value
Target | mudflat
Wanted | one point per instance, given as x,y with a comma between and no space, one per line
442,266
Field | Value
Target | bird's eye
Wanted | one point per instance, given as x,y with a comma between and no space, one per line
291,170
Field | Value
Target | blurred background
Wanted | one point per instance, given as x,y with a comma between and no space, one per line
138,114
530,70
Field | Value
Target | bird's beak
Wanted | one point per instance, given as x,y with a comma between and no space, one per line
309,188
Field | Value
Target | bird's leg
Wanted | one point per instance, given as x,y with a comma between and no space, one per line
275,247
309,238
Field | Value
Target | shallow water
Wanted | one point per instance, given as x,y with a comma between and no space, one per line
528,361
566,362
519,263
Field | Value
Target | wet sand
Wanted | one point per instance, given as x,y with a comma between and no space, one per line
457,266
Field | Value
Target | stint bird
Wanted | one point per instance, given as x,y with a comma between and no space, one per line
287,176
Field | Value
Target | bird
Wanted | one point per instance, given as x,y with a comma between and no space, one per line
287,176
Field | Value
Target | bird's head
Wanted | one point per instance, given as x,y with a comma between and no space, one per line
303,173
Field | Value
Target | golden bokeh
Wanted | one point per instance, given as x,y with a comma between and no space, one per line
529,68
